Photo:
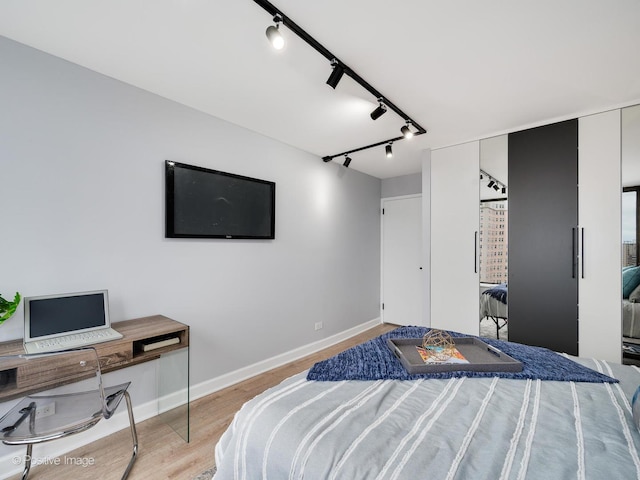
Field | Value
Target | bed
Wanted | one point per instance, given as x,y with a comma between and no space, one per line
480,427
631,312
631,330
493,305
630,318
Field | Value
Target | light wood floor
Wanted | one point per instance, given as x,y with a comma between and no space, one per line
163,454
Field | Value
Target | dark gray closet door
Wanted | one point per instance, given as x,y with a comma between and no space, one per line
543,219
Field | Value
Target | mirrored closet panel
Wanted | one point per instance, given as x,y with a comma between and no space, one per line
493,237
630,152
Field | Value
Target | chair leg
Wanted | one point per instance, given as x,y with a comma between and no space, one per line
134,436
27,461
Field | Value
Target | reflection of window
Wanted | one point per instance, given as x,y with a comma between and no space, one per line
630,199
493,241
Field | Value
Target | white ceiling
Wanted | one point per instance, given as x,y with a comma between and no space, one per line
463,69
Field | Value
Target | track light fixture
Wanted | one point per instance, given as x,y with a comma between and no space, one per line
347,161
379,111
336,74
339,69
406,131
493,183
388,150
273,33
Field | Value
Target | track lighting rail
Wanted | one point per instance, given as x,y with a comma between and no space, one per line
493,182
301,33
328,158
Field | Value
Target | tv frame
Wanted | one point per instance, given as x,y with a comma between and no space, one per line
169,203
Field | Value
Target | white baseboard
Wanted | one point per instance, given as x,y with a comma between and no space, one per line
223,381
48,452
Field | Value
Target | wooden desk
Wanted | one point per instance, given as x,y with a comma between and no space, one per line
114,355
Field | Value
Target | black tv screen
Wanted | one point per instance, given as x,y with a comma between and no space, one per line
204,203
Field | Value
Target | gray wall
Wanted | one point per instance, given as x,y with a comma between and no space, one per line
82,192
404,185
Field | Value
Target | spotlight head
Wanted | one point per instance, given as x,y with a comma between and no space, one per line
496,187
504,190
389,151
347,161
491,183
327,159
379,111
274,35
336,74
406,132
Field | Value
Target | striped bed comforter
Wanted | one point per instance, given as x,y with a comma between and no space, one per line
459,428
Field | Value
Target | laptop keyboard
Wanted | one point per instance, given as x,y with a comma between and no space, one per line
76,340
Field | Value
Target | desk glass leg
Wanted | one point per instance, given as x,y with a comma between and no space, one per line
173,391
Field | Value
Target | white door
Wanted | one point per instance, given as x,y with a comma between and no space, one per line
599,287
401,260
455,200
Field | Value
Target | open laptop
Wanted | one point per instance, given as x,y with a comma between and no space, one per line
68,320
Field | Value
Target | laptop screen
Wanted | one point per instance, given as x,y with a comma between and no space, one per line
65,313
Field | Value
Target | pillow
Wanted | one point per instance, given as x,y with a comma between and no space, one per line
634,296
635,408
630,280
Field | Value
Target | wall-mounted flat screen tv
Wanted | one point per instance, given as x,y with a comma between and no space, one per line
204,203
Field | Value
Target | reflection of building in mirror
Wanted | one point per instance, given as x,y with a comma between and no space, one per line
493,241
629,227
629,254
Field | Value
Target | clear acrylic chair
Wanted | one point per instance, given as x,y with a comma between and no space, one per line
56,404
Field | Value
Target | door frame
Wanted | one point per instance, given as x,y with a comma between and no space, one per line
382,204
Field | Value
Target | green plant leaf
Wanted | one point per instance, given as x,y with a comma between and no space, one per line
7,309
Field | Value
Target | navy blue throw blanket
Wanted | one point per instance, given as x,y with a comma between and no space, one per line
499,292
373,360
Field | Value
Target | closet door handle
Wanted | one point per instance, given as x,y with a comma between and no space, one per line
582,251
475,252
574,251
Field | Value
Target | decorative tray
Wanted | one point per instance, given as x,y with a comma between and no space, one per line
479,356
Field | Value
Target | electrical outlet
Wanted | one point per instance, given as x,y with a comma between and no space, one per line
318,325
46,410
